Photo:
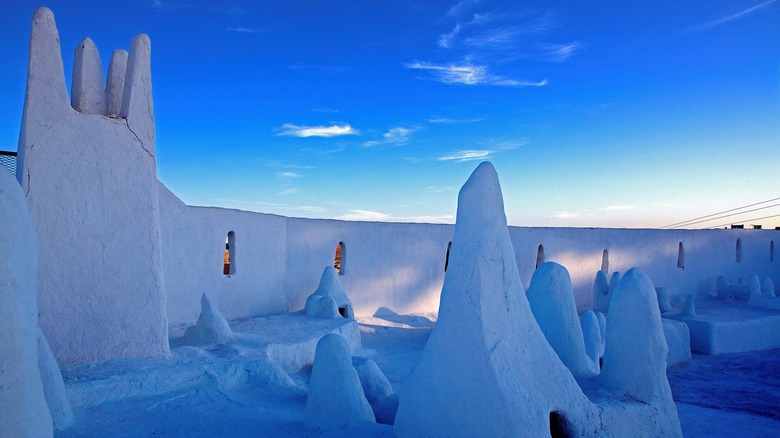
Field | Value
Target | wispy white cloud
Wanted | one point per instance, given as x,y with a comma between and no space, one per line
325,110
445,39
469,74
397,136
467,155
288,175
729,18
263,206
334,130
565,215
439,189
619,207
289,191
502,38
166,6
462,7
243,30
448,120
561,52
448,40
375,216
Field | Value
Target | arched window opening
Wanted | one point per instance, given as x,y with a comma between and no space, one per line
559,426
772,251
229,266
447,256
540,256
605,261
338,261
739,250
680,256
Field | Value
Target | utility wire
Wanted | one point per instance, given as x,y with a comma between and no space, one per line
732,214
749,220
677,224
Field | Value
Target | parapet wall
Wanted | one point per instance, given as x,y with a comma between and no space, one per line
400,266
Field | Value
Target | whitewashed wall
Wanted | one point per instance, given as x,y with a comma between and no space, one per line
401,266
91,189
279,261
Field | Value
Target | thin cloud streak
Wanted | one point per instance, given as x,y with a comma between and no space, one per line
270,205
242,30
561,52
447,120
565,215
461,6
375,216
469,74
289,191
729,18
335,130
467,155
397,136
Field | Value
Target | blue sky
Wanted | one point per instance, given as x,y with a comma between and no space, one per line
609,113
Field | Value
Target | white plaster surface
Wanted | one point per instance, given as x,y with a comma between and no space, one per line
591,332
731,326
87,91
678,341
329,297
53,386
336,399
90,184
211,327
551,299
282,258
23,408
115,82
636,350
487,369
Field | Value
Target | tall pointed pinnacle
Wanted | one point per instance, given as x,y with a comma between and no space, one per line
115,82
137,103
87,93
487,369
46,98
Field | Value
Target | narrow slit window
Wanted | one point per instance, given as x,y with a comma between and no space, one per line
605,261
540,258
229,266
338,261
739,250
772,251
447,256
680,256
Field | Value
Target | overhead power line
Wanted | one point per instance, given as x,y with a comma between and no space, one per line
709,216
732,214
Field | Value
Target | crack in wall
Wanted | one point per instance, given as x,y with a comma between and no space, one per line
127,123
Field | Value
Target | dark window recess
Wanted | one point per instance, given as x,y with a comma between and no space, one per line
540,255
447,256
680,256
229,266
338,261
739,250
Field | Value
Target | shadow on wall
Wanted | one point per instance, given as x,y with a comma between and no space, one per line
683,261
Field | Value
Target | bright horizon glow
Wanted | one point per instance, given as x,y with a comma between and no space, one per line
594,116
